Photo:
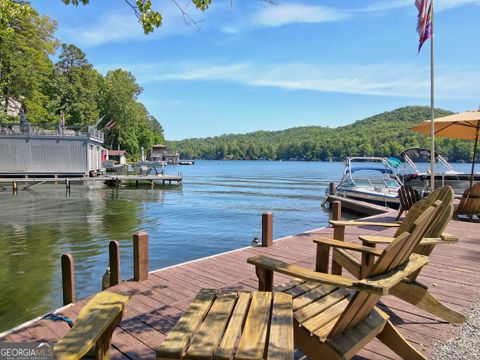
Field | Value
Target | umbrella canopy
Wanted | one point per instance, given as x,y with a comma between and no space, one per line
464,126
457,126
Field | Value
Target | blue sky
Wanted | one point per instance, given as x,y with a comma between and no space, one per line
250,65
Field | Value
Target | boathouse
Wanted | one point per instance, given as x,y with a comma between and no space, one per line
161,153
118,156
47,150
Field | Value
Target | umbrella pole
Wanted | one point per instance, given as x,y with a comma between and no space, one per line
474,155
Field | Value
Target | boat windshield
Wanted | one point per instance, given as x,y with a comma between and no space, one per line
372,173
373,178
418,159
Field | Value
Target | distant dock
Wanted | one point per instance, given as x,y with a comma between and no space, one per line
26,182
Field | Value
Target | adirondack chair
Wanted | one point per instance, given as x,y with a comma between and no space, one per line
336,316
91,335
469,204
409,290
407,196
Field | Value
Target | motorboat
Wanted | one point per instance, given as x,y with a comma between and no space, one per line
416,172
370,179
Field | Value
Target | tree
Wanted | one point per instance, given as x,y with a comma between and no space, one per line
26,41
76,87
133,127
380,135
148,17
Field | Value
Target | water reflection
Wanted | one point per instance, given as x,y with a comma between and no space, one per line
217,209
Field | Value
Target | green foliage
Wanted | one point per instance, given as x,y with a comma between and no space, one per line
134,127
26,41
385,134
149,18
75,87
71,86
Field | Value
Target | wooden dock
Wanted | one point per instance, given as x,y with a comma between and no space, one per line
26,183
157,303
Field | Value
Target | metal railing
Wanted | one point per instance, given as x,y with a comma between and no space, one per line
51,130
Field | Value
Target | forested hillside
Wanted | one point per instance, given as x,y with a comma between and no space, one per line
69,86
385,134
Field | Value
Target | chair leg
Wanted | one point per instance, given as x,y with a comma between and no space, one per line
265,279
398,344
417,294
102,346
400,212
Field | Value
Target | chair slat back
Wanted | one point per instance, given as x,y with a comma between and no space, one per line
470,202
394,256
446,196
407,196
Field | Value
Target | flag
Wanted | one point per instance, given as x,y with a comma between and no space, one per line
422,15
424,24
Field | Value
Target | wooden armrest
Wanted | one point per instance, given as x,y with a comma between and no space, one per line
95,319
296,271
390,279
448,237
378,285
347,245
374,239
362,223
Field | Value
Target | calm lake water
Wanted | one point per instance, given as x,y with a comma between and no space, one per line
218,208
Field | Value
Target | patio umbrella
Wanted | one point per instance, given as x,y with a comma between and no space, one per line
464,126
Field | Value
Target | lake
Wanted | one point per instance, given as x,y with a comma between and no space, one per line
218,208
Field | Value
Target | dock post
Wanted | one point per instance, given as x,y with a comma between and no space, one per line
151,184
67,183
68,279
338,233
337,210
140,256
267,229
114,261
14,187
331,191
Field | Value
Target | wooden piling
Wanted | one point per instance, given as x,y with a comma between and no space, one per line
68,279
140,256
267,229
337,210
331,191
114,261
338,233
14,186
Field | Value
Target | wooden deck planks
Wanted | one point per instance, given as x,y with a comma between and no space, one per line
159,302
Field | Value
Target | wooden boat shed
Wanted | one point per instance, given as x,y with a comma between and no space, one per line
46,151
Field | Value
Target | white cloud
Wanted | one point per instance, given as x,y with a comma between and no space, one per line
125,27
109,29
275,15
378,79
290,13
118,27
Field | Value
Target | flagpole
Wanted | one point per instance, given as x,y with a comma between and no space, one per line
432,105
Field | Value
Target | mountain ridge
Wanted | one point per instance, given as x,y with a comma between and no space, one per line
384,134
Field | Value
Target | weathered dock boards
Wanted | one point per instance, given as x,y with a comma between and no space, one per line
158,302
